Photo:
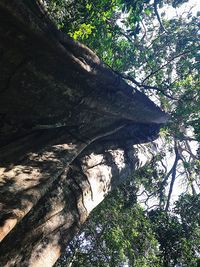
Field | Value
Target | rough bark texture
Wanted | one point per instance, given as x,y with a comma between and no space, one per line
68,127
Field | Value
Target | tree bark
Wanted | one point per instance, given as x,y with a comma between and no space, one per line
68,127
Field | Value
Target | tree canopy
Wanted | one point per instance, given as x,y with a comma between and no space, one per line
158,55
120,232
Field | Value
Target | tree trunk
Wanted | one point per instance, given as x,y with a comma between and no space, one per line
68,127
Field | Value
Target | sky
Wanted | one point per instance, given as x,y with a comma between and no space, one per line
174,12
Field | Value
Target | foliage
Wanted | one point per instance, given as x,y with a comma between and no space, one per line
120,232
178,233
113,236
99,25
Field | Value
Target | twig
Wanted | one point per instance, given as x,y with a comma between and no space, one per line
188,175
141,85
145,86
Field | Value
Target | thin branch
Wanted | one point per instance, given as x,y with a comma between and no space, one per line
173,177
154,40
197,184
155,4
166,177
126,36
145,86
145,31
188,175
165,168
141,85
188,149
187,138
122,32
148,198
153,206
138,195
164,65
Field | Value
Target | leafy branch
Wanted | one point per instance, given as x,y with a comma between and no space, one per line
145,86
164,65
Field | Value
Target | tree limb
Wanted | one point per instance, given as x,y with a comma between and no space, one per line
155,4
177,157
164,65
146,87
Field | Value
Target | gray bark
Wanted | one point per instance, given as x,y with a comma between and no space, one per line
68,126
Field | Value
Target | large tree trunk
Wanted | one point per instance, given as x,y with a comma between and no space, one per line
68,127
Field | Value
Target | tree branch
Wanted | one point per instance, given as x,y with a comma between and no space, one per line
164,65
145,86
188,175
155,4
177,157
